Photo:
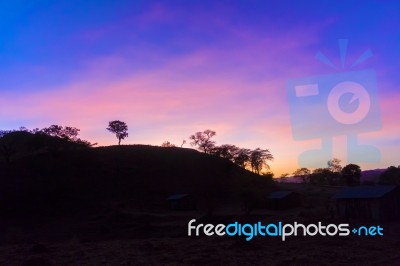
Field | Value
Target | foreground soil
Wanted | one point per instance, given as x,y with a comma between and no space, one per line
207,251
127,239
120,233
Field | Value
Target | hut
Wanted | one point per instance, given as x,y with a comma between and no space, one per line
281,200
380,203
181,202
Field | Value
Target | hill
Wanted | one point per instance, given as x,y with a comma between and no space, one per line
106,206
371,175
70,179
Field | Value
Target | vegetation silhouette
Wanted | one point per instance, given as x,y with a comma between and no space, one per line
119,128
391,176
57,187
303,173
167,144
202,140
53,172
256,159
52,139
351,174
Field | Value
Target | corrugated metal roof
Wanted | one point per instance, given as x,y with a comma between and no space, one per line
364,192
279,194
177,196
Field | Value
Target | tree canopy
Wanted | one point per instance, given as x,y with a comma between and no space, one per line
351,174
390,176
53,139
202,140
303,173
255,159
119,128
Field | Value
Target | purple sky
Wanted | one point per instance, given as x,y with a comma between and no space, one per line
171,68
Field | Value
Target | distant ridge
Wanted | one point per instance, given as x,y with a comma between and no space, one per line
366,175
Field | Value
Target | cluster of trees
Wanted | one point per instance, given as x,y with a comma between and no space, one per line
255,159
333,174
53,138
390,176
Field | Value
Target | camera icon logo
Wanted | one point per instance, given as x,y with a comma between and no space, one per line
343,103
358,92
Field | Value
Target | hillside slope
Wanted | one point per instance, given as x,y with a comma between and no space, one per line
147,174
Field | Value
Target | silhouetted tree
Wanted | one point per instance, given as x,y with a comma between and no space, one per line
167,144
56,138
320,176
13,142
68,133
202,140
351,174
324,176
119,128
7,148
53,130
259,158
5,132
242,157
53,139
226,151
390,176
183,142
334,165
303,173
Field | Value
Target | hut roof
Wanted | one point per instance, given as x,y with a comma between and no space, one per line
364,192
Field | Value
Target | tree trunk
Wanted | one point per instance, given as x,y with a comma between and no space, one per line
119,141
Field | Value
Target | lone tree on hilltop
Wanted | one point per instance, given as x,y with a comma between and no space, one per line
119,128
202,140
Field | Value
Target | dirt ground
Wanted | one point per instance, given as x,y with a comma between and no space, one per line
208,251
122,235
162,240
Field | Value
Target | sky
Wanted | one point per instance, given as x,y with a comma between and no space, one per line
172,68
